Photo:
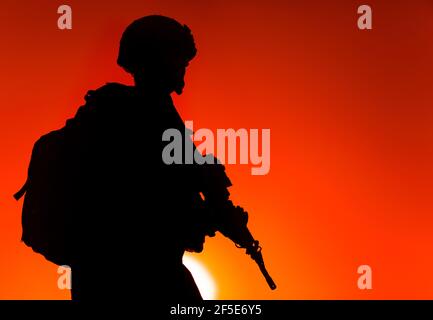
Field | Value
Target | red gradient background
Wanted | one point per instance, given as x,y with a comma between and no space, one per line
350,113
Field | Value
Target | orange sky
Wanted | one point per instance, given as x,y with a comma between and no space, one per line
351,122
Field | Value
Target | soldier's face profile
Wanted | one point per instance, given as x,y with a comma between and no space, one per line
179,79
175,73
167,76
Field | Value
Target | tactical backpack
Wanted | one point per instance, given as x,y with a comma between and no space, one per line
44,208
50,189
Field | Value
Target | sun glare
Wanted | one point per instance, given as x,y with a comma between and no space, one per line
202,277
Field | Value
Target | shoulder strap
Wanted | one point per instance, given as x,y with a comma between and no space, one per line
19,194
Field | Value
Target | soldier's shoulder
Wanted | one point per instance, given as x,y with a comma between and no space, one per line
109,93
104,100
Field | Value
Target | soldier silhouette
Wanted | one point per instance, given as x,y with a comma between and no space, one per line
99,197
135,216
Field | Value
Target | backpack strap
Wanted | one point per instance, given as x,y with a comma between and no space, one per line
21,192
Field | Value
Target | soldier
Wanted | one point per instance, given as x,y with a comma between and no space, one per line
100,198
131,216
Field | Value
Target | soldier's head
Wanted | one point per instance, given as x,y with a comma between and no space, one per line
156,50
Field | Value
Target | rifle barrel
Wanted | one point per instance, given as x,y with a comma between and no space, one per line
268,278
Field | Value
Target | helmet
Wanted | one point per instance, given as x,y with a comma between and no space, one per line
153,40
